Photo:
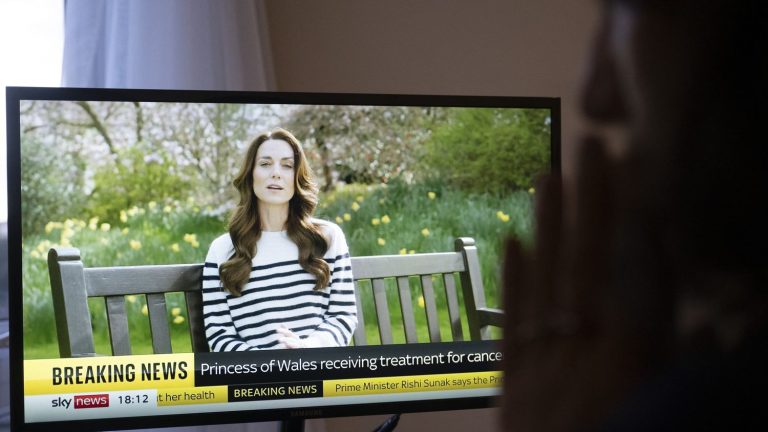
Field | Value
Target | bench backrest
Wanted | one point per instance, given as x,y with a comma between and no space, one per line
72,284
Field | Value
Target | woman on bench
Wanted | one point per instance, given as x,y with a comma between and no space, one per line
280,278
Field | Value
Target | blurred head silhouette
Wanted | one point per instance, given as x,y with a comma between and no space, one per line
687,80
644,303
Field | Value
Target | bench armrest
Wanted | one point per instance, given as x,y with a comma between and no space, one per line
491,316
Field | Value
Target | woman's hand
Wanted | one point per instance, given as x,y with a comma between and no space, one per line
290,339
571,353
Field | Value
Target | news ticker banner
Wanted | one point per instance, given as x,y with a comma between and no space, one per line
110,387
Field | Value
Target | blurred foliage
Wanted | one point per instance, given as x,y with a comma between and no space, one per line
362,144
101,157
135,181
490,150
51,185
118,153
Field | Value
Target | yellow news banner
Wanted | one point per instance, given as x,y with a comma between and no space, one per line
92,374
412,383
192,395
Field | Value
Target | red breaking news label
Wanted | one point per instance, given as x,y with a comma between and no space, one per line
92,401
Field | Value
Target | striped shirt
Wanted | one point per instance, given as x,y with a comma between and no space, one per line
279,292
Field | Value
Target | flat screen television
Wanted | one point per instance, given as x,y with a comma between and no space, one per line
116,195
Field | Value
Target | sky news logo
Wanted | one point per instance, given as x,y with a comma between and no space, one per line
82,401
92,401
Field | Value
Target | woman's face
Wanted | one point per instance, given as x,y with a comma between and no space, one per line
273,173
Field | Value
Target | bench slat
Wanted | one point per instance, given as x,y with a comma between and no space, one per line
117,320
194,300
407,265
406,307
453,307
106,281
382,311
433,322
359,336
158,324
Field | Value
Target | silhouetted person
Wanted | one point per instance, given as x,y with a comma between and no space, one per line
644,303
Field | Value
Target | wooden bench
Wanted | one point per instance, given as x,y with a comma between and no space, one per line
72,284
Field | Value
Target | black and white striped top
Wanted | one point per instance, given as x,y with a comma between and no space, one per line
279,293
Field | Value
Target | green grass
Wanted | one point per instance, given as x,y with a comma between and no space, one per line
421,218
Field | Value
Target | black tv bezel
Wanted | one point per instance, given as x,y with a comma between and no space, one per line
14,95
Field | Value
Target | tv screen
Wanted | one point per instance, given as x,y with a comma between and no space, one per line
188,257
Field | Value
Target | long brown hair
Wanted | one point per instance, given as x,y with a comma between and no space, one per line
245,223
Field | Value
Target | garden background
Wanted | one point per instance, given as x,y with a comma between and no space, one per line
134,183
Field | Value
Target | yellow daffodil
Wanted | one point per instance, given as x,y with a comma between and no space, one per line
175,247
167,209
191,239
178,320
403,251
425,232
411,252
381,241
144,310
43,246
385,219
421,302
131,298
35,254
93,223
431,195
347,217
375,221
531,191
105,227
67,233
176,311
124,231
502,216
152,205
123,216
135,244
359,198
339,220
355,206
